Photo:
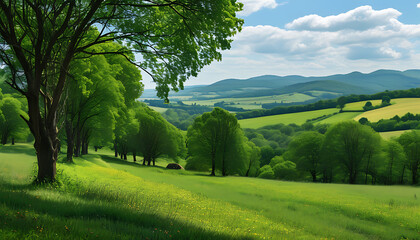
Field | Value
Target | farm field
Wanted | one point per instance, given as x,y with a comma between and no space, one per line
106,198
297,118
359,105
399,107
339,117
254,102
391,134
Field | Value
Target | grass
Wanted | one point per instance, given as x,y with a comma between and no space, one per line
254,102
339,117
393,134
359,105
297,118
158,109
101,197
399,107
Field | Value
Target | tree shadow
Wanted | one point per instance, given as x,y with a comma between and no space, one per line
88,214
17,149
140,165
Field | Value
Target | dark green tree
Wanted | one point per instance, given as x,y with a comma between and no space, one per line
12,125
216,138
156,137
395,162
305,151
411,143
352,145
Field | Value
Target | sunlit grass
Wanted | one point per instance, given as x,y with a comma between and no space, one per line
399,107
297,118
100,197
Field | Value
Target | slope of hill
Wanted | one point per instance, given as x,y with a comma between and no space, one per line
330,88
101,197
399,107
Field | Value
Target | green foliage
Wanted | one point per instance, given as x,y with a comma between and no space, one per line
394,164
12,126
285,170
352,145
216,138
305,151
411,143
266,172
156,137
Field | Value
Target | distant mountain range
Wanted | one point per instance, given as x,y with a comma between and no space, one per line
334,85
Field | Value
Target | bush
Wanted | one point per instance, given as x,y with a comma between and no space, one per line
285,170
266,172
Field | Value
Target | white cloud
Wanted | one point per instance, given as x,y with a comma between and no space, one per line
251,6
418,5
362,33
361,18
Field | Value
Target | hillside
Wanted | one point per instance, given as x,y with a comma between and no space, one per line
101,197
351,83
399,107
328,89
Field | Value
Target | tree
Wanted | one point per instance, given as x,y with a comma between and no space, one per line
305,151
341,103
40,39
101,85
11,124
253,155
353,145
411,143
216,138
156,137
386,100
368,106
394,162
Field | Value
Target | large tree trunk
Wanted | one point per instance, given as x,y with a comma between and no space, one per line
213,165
134,157
4,138
115,150
414,176
13,141
313,173
70,141
78,144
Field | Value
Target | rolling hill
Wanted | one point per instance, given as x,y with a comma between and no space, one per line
267,85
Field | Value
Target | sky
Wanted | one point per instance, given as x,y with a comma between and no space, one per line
318,38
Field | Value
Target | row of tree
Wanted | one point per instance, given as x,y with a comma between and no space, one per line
349,152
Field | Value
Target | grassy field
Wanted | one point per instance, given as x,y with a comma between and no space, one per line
254,102
158,109
392,134
360,105
297,118
339,117
101,197
399,107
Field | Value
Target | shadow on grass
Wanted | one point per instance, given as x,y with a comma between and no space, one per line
18,148
22,213
139,164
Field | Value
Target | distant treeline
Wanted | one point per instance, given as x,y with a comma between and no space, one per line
324,104
396,123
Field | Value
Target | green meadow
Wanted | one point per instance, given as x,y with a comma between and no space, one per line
399,107
101,197
297,118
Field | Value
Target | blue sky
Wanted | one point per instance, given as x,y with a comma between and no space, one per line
319,37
